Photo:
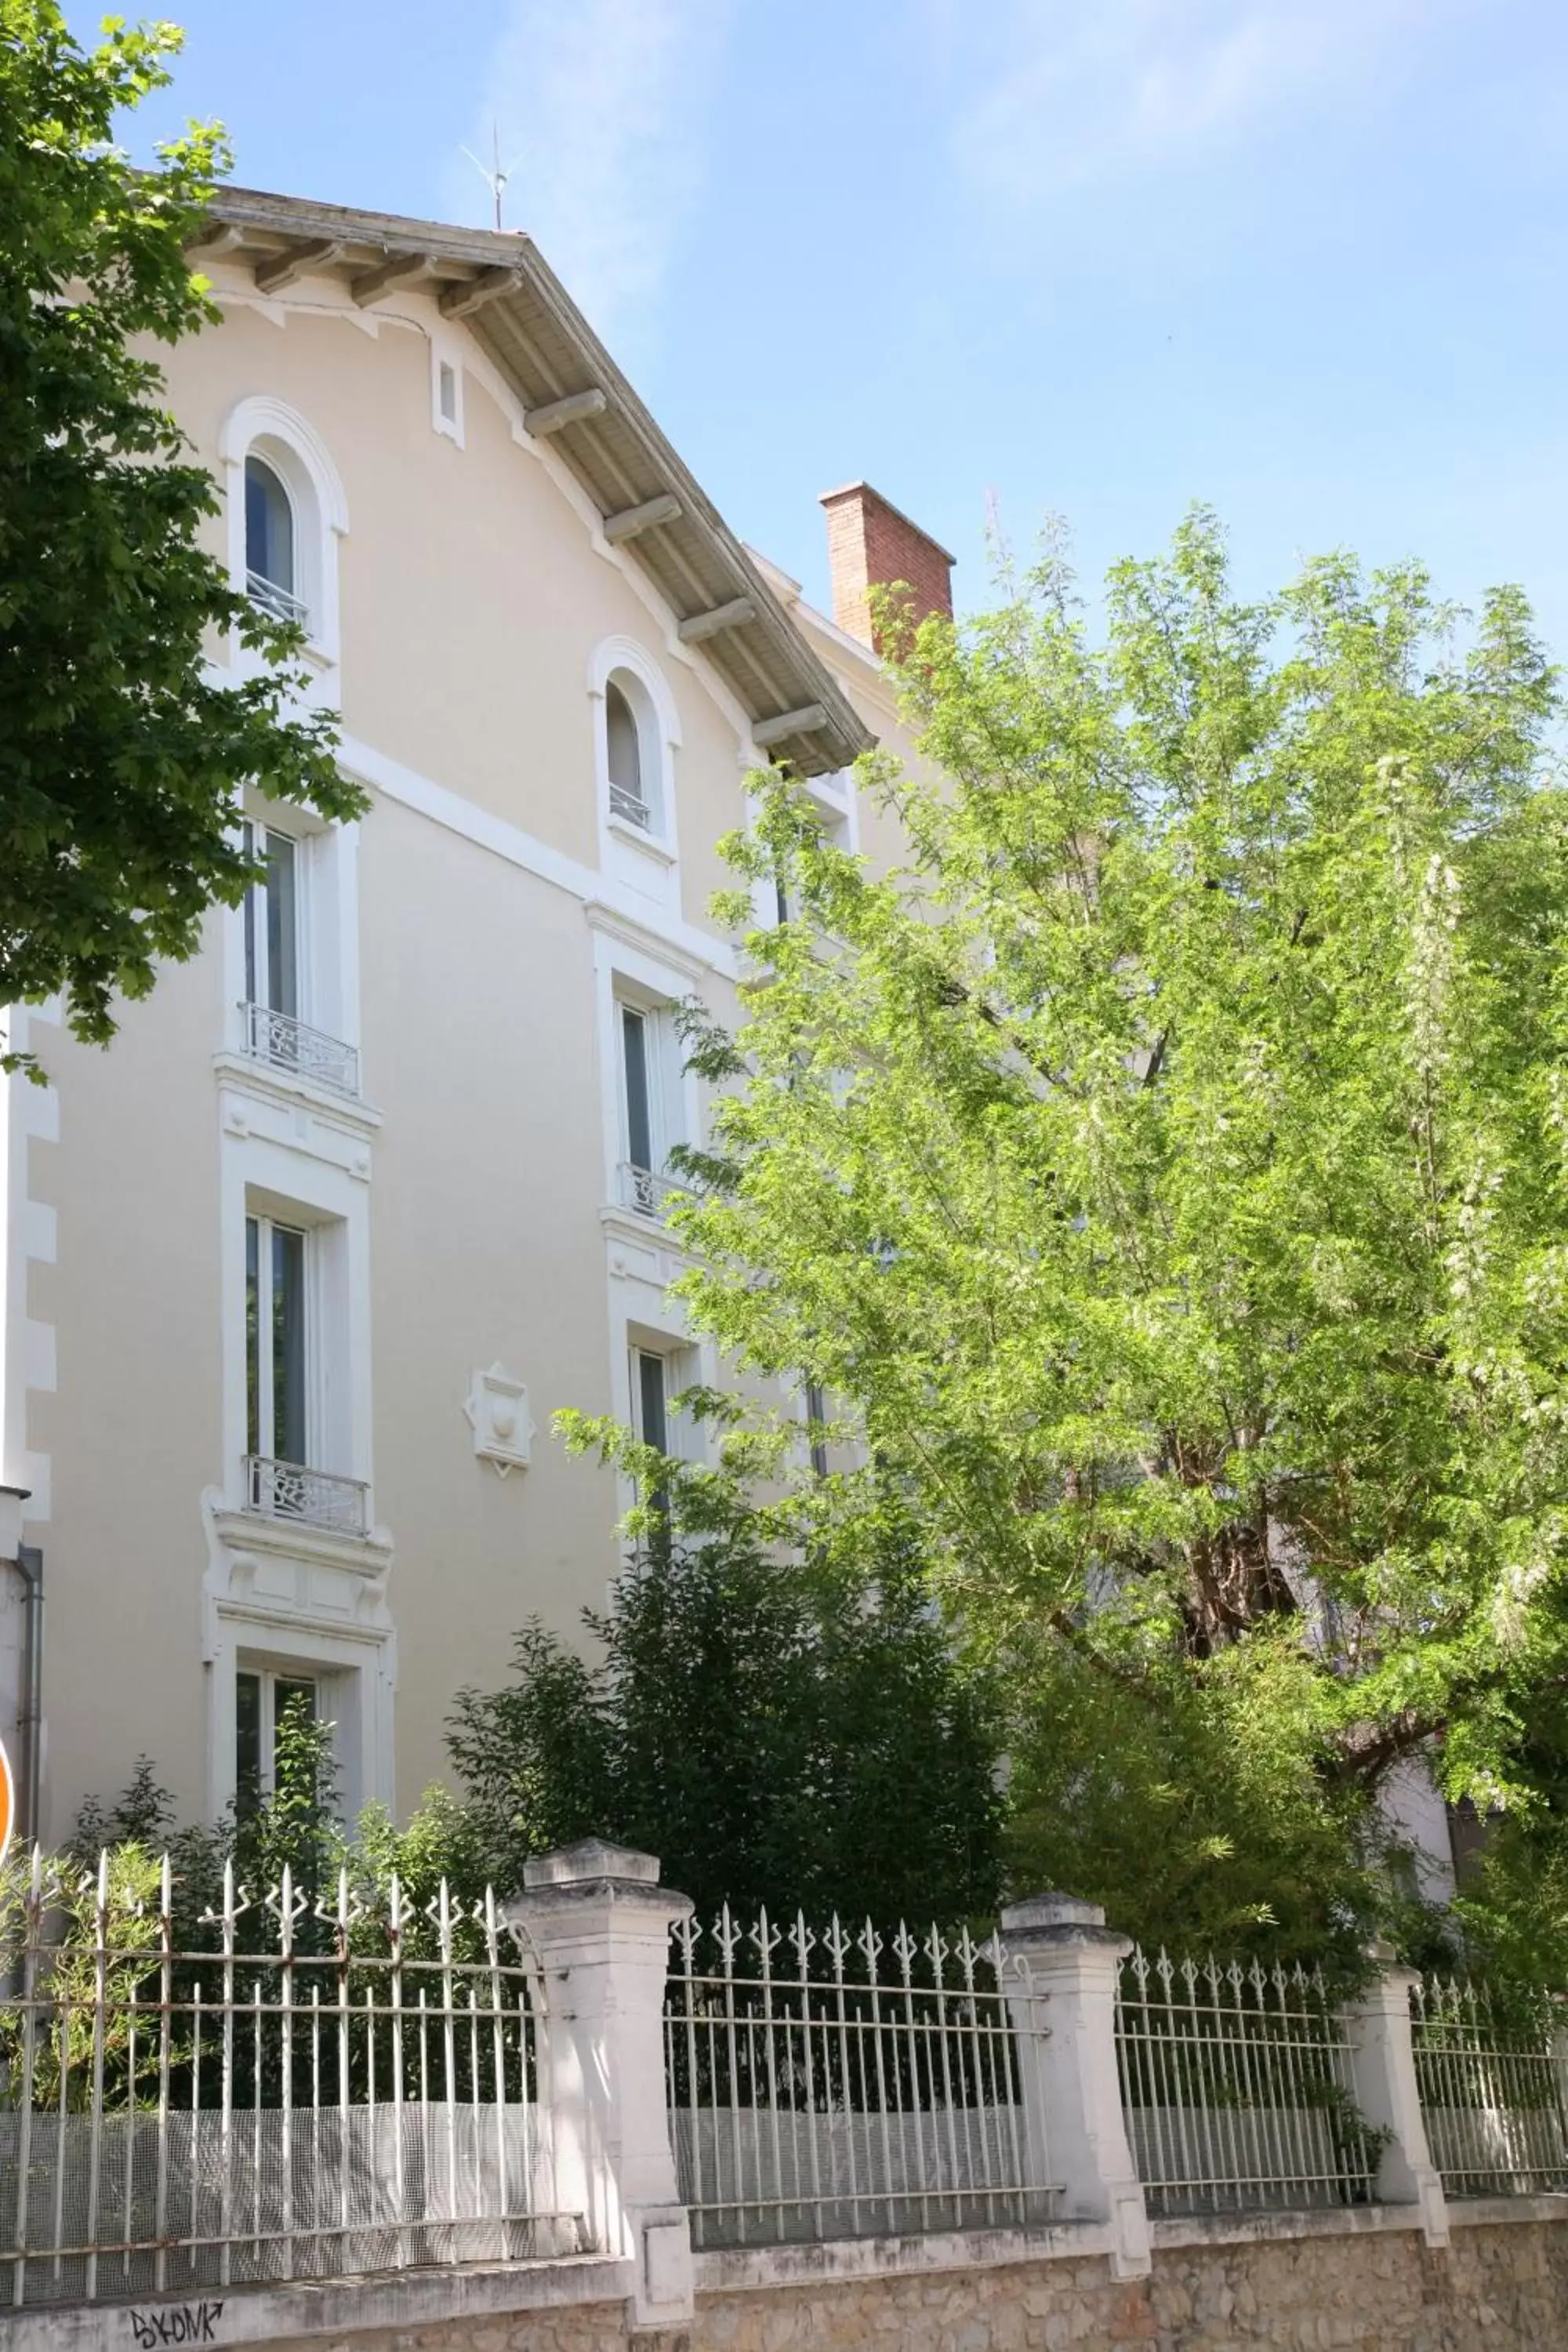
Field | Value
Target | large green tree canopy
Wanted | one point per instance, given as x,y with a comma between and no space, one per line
121,755
1166,1174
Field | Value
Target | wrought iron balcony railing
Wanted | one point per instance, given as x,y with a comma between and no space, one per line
317,1499
275,600
646,1190
289,1044
628,806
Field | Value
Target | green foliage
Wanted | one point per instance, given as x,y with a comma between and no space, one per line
775,1736
121,764
1166,1174
1514,1911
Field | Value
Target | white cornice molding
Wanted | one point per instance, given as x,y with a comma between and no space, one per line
676,940
613,922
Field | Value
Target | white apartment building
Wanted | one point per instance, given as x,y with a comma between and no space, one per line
292,1276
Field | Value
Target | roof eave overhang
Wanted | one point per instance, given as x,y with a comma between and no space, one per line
570,391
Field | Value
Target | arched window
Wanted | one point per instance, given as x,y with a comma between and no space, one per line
287,514
627,797
269,566
637,729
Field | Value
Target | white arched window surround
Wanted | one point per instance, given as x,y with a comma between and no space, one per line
268,429
630,667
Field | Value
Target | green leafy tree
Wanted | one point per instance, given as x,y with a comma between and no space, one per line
1166,1171
122,758
776,1736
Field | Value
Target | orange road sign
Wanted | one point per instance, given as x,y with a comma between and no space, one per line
7,1802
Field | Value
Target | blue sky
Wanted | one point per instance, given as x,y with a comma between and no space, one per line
1304,259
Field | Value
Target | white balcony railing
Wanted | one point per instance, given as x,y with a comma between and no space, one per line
277,1039
316,1498
274,600
630,808
644,1190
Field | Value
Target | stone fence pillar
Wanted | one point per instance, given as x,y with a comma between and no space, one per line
1384,2087
1072,2086
598,1923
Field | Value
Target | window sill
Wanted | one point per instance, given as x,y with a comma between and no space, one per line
649,844
244,1532
349,1112
639,1225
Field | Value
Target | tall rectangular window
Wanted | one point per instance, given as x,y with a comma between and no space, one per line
262,1698
638,1072
272,923
816,1412
650,1407
275,1333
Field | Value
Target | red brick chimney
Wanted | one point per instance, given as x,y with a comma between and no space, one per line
871,545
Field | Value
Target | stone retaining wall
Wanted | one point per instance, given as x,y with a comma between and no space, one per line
1494,2289
1501,2287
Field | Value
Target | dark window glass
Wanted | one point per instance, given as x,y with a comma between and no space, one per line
252,1337
816,1411
249,831
653,1425
625,750
639,1115
268,525
288,1345
248,1738
282,947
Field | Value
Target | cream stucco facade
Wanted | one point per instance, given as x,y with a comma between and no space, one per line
436,1123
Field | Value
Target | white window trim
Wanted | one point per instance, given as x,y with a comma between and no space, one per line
327,922
621,653
834,808
317,1314
298,455
259,1177
244,1629
270,1670
626,974
445,352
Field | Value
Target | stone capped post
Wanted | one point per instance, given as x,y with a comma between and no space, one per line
1384,2087
1072,2090
598,1923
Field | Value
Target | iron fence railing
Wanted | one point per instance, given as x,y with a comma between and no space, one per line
285,1043
1236,2086
856,2084
1493,2078
313,2088
319,1499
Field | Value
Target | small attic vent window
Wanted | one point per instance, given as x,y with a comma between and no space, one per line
446,394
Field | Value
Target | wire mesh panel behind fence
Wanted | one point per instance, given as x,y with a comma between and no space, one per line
319,2087
1493,2076
1236,2085
835,2085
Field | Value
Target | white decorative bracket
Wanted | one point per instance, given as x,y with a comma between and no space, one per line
497,1412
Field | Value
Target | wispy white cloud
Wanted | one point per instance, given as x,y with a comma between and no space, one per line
1071,91
604,105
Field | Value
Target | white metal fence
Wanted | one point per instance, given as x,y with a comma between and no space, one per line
1236,2086
318,2087
1494,2089
835,2085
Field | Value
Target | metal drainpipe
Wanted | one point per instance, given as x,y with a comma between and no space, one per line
30,1560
